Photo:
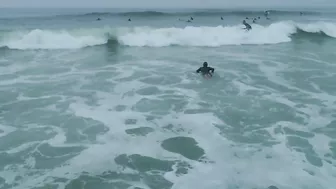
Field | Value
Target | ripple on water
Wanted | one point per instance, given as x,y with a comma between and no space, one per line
328,130
302,145
23,137
161,80
152,90
151,169
332,147
140,131
294,132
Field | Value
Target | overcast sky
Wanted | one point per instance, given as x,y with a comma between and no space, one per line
165,3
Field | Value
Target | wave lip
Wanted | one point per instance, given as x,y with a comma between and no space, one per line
280,32
46,39
207,36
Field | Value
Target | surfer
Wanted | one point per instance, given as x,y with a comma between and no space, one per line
129,20
247,26
222,18
206,70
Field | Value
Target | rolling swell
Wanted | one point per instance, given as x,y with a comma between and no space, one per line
302,34
196,13
280,32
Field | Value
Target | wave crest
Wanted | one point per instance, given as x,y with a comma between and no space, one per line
280,32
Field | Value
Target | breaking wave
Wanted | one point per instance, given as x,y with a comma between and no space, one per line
280,32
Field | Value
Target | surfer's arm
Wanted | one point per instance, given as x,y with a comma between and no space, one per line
212,70
198,70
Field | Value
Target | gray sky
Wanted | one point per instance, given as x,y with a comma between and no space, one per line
165,3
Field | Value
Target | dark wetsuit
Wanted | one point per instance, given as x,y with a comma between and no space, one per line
205,70
247,26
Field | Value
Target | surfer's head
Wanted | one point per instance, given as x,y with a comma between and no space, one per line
205,64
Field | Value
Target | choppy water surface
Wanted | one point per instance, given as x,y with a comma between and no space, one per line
101,104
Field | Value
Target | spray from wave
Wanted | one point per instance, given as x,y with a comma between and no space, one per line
275,33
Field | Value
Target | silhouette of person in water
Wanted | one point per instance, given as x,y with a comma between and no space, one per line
247,26
206,70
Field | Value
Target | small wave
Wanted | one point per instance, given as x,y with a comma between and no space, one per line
152,13
280,32
198,13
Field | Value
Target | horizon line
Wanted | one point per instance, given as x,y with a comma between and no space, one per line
171,7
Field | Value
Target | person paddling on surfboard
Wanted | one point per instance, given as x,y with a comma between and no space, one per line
206,70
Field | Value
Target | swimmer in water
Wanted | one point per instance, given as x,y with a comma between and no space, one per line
206,70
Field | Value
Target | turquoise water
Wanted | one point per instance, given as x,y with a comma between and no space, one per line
116,104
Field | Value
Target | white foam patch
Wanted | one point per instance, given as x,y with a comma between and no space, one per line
6,130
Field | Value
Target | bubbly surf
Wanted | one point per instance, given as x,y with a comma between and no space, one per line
114,104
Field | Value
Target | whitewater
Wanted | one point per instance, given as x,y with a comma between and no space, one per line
101,104
279,32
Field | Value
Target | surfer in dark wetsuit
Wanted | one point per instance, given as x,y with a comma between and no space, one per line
206,70
247,26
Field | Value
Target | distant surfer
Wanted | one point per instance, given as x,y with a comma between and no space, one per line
266,13
222,18
129,20
254,20
191,18
206,70
247,26
98,19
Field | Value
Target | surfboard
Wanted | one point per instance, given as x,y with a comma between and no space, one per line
207,76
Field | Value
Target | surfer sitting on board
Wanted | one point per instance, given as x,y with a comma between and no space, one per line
247,26
205,70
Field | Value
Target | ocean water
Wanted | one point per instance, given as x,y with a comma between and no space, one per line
112,104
